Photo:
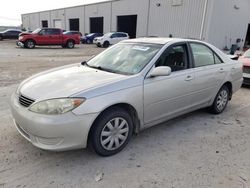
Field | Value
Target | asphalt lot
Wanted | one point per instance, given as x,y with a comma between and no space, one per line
198,150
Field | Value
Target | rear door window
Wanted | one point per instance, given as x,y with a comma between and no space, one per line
204,56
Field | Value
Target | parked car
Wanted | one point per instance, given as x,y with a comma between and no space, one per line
88,39
72,33
10,34
245,59
48,36
131,86
110,38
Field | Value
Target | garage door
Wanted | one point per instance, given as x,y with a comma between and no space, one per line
58,24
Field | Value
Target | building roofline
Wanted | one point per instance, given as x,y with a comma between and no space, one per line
83,5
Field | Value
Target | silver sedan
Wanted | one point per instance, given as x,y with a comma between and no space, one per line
129,87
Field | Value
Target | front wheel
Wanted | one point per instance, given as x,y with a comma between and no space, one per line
106,44
220,101
111,132
29,44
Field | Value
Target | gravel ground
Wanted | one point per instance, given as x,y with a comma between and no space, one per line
198,150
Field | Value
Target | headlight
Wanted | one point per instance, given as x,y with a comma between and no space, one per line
56,106
20,38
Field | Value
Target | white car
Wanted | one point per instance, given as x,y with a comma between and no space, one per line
110,39
129,87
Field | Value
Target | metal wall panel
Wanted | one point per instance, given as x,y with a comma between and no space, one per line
57,15
183,20
229,21
26,21
45,16
75,12
98,10
34,21
131,7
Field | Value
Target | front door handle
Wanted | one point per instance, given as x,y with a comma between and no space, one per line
221,70
188,78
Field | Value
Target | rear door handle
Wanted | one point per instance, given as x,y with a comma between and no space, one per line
188,78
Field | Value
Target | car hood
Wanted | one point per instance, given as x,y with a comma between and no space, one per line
98,38
66,81
22,34
245,61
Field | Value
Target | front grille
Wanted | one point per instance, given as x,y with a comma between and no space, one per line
246,69
25,101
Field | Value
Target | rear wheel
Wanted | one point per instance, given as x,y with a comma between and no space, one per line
106,44
70,44
29,44
111,132
220,101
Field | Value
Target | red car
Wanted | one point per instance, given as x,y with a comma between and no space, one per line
48,36
245,59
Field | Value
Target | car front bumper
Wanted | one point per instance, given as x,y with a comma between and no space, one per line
98,43
19,43
52,132
246,78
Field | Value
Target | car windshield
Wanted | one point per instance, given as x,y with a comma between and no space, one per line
108,35
125,58
66,32
36,31
90,35
247,54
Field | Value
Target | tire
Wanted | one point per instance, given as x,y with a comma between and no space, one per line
29,44
1,38
106,44
111,132
88,41
220,101
70,44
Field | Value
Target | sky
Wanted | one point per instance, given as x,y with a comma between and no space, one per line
11,10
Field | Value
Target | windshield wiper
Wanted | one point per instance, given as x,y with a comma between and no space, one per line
98,67
84,63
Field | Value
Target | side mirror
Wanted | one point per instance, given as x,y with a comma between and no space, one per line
161,71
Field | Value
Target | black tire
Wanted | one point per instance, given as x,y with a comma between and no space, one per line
29,44
101,126
88,41
106,44
70,44
220,101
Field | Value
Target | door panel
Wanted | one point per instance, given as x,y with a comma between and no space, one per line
209,74
168,96
165,96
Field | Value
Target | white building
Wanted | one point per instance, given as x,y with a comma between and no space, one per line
220,22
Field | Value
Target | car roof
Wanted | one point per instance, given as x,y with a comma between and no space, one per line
159,40
13,30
